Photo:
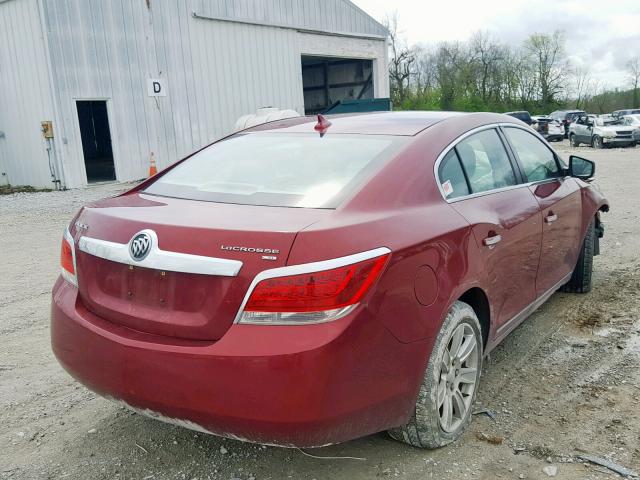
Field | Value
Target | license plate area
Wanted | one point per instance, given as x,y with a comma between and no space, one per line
145,292
174,304
148,287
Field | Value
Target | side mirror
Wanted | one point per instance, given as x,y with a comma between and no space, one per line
581,168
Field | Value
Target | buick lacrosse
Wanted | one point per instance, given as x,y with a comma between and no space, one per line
309,281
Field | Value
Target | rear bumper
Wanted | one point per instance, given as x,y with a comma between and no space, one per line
294,386
622,142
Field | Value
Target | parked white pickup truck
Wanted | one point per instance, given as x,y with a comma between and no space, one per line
599,132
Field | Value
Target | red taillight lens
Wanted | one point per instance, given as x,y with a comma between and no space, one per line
312,297
67,259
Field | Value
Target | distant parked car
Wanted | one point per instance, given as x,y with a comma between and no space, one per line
628,111
600,133
522,115
565,117
552,130
634,122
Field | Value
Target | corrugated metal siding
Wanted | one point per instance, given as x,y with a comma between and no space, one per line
215,71
327,15
24,95
95,54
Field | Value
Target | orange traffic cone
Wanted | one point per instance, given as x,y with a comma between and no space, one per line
152,166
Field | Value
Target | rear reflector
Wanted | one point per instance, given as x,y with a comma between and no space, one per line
315,295
67,259
294,318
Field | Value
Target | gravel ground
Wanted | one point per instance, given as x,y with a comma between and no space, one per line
565,383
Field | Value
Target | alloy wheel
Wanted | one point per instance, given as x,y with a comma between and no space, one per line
458,377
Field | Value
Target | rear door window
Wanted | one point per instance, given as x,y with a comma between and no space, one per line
485,162
538,161
452,180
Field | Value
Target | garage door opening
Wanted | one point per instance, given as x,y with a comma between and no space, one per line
96,140
327,80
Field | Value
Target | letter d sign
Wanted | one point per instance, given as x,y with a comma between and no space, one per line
156,87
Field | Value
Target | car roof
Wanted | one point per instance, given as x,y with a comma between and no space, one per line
407,123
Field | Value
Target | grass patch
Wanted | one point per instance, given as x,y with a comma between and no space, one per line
9,189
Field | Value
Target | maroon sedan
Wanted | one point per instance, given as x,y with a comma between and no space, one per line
304,283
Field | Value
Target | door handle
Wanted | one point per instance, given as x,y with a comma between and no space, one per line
552,217
492,240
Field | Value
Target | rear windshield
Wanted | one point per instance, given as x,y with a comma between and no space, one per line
279,169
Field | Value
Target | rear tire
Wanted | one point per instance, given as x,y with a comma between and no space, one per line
448,390
580,281
572,140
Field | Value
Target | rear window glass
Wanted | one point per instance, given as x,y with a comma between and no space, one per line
279,169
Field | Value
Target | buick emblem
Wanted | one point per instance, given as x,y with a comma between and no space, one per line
140,246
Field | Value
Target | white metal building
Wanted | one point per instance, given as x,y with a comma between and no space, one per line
121,79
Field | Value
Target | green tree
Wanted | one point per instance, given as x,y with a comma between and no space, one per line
633,69
549,61
401,63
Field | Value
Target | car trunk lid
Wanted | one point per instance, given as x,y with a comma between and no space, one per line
164,301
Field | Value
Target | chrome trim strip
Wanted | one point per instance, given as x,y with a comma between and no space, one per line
457,140
160,259
309,268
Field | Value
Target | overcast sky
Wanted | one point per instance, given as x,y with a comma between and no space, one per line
601,34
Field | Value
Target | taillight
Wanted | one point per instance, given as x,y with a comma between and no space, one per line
313,293
68,259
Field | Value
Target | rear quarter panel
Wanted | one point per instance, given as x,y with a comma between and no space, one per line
431,245
401,208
